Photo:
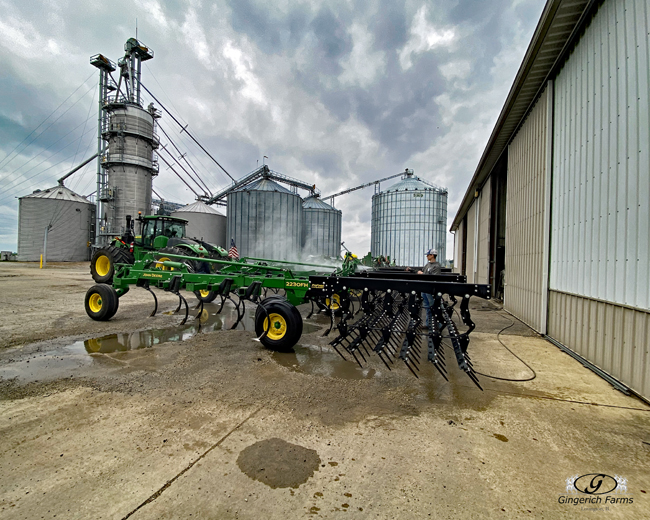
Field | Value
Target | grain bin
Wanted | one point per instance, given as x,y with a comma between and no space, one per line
321,228
265,220
407,219
204,222
69,219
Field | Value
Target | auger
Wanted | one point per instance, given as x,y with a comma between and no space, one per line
387,320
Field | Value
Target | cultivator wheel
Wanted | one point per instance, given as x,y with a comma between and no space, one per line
102,264
101,302
278,323
206,296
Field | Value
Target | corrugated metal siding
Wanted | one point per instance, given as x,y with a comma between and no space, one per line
471,236
483,260
67,240
601,182
615,338
525,218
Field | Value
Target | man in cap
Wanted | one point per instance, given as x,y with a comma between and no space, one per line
431,267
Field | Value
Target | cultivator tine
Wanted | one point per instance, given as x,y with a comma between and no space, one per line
460,342
180,302
155,300
312,309
187,309
201,311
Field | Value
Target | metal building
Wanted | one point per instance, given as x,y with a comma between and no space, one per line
559,206
204,222
127,161
407,219
321,228
68,219
265,220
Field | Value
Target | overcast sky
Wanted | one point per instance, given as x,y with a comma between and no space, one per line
336,93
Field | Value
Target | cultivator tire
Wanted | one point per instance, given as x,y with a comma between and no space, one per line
102,264
286,324
101,302
206,296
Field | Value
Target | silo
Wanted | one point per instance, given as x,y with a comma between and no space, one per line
68,218
407,219
321,228
129,163
265,219
204,222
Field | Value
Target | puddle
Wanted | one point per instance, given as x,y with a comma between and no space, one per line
322,361
65,361
278,463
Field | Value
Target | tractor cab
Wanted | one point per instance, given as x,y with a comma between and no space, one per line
157,230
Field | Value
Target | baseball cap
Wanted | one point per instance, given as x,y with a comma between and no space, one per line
431,252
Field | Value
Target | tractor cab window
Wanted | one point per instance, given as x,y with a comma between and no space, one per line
149,232
174,229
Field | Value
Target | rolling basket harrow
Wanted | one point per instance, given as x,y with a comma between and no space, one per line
370,311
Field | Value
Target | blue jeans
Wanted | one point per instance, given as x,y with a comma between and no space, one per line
428,305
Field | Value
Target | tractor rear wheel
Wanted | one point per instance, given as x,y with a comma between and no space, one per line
101,302
285,327
102,264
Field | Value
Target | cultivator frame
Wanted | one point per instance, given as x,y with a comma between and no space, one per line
391,325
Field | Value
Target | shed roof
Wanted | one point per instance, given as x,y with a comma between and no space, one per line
556,32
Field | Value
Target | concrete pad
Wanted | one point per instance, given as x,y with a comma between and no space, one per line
159,432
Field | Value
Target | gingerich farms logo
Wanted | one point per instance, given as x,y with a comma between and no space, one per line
595,492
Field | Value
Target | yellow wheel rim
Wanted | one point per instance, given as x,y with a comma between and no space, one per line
334,303
93,345
95,303
278,327
102,265
204,293
163,267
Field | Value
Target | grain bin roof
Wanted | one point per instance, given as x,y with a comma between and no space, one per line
410,184
198,207
57,193
316,203
264,185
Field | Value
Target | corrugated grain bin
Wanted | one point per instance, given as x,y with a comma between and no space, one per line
407,219
321,228
204,222
70,216
265,219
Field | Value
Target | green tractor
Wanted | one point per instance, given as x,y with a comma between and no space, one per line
159,233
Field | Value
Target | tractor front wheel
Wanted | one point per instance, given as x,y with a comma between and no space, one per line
102,264
283,324
101,302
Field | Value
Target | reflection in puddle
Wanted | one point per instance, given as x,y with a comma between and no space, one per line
67,360
322,361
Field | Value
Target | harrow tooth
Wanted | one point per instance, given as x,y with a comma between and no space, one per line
337,351
409,367
355,358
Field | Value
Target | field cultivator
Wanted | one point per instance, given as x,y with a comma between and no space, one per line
370,311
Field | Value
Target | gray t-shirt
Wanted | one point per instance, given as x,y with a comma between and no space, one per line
432,268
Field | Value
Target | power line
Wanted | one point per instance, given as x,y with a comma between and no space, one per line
3,163
184,129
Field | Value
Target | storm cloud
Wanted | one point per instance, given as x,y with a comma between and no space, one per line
338,93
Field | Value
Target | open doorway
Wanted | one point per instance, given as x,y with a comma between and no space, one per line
498,178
